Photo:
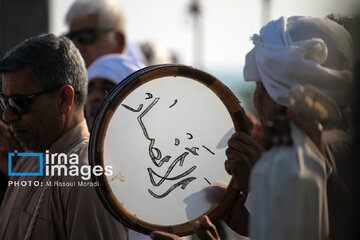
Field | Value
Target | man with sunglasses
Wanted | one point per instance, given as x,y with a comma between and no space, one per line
96,28
44,84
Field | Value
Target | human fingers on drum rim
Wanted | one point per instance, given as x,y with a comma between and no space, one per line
243,152
244,142
237,159
205,222
248,159
205,229
240,170
159,235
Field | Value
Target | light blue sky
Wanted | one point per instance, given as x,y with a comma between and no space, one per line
228,24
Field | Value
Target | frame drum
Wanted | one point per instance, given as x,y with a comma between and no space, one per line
161,134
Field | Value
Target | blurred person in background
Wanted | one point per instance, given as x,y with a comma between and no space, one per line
103,75
97,28
155,53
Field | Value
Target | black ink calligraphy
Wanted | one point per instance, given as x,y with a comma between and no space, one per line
132,109
149,95
119,177
182,183
157,158
207,181
173,103
190,135
193,150
179,160
208,150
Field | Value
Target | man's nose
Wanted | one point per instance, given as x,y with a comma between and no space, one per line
10,115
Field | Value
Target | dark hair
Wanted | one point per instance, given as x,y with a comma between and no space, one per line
55,61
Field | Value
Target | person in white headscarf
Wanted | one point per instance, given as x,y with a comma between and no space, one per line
288,197
302,50
103,74
289,185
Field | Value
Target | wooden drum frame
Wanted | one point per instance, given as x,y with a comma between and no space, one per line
100,128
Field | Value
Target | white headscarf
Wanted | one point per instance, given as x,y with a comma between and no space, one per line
114,67
302,50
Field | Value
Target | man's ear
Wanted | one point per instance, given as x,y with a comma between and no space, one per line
121,41
66,94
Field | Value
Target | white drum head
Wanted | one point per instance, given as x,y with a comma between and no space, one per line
164,132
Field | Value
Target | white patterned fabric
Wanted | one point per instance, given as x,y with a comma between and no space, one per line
302,50
114,67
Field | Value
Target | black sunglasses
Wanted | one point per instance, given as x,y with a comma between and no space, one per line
21,103
87,35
